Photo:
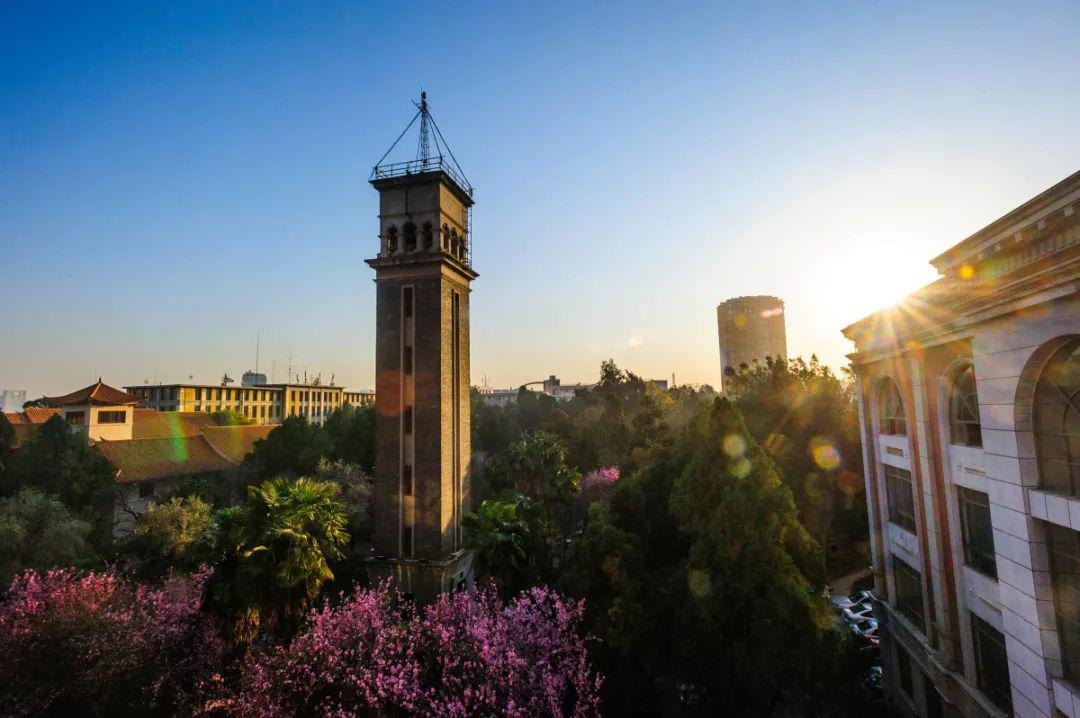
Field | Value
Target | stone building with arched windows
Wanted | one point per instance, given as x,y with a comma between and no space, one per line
969,399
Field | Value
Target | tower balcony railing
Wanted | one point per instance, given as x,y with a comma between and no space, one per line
463,254
415,167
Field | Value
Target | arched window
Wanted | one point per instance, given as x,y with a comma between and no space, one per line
891,409
427,236
964,427
1056,417
391,239
446,238
453,242
410,236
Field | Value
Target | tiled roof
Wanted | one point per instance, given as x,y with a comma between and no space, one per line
145,459
31,415
235,442
24,423
152,424
99,393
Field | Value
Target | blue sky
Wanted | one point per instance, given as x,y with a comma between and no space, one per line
176,177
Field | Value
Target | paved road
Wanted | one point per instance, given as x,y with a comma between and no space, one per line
842,586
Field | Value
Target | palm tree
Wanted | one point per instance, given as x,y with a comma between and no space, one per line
506,537
278,551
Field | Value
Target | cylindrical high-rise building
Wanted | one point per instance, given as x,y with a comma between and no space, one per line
750,329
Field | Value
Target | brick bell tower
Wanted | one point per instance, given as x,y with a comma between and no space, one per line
423,274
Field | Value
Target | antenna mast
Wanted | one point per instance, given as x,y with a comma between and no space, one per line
423,150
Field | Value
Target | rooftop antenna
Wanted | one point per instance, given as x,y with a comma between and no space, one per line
423,149
442,159
257,337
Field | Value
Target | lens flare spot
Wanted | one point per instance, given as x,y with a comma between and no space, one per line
966,272
774,443
734,445
699,583
740,468
824,453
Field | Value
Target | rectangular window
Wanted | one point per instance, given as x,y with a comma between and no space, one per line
909,593
198,394
1063,546
76,418
407,541
977,532
112,417
901,496
407,420
407,480
991,663
903,665
407,361
407,302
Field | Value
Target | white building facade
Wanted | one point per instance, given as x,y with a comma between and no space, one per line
970,410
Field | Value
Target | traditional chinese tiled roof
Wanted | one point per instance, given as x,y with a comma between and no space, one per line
98,394
24,423
149,459
235,442
31,415
152,424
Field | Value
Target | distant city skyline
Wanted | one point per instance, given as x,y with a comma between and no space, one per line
176,180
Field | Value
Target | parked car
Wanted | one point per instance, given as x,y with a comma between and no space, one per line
865,628
873,677
841,603
858,612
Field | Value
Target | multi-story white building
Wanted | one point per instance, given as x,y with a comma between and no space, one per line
12,399
969,397
552,386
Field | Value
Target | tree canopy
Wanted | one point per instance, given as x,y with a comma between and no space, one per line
38,532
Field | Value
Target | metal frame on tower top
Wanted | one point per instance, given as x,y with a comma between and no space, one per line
425,161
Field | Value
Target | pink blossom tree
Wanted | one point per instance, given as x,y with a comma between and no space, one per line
77,643
597,484
466,654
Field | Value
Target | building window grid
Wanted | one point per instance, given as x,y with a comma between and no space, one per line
891,410
965,428
901,495
991,663
1063,548
977,531
909,599
1057,421
903,665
